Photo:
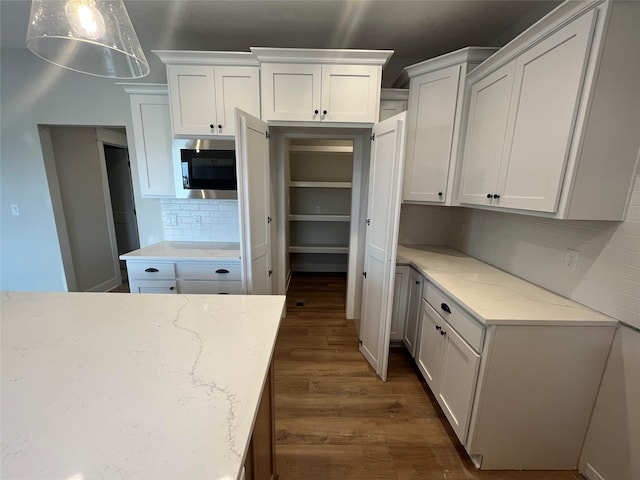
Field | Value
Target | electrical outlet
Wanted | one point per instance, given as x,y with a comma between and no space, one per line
171,220
317,209
15,211
571,259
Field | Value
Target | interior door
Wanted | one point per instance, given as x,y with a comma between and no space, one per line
383,214
254,202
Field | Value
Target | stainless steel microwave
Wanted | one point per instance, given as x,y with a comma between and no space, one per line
206,170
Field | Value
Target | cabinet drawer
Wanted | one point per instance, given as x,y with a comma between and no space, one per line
151,270
210,287
208,271
468,328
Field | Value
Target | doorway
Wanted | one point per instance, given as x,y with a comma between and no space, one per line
92,198
322,196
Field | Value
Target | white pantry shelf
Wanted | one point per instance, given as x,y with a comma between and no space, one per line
320,184
318,248
319,218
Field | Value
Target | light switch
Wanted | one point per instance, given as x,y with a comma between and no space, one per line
15,211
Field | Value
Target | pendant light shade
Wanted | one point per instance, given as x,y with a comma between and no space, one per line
88,36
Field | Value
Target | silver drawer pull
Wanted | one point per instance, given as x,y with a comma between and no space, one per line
151,270
222,270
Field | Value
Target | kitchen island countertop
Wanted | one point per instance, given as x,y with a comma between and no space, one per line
98,385
177,251
492,295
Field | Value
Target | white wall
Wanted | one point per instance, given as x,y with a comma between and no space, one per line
424,225
201,220
35,92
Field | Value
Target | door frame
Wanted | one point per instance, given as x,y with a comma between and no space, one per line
279,136
115,139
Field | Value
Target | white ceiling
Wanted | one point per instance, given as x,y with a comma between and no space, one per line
415,29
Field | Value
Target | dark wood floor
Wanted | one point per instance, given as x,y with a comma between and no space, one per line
336,420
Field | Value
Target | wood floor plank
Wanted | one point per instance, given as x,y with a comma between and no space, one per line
335,419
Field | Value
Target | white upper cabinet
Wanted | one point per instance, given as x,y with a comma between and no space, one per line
304,85
392,102
206,87
436,94
562,138
152,138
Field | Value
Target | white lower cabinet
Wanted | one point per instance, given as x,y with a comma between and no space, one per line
518,394
450,367
188,277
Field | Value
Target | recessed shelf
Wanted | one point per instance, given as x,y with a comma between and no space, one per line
322,148
318,249
319,218
320,184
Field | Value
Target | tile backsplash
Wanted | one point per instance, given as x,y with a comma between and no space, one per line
200,220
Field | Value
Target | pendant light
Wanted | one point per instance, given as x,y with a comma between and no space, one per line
88,36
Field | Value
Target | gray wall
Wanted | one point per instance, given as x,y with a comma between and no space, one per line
35,92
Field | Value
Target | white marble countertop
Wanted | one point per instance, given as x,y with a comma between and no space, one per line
107,385
177,251
492,295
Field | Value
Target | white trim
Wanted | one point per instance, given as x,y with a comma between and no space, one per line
145,88
197,57
401,94
474,55
51,172
324,56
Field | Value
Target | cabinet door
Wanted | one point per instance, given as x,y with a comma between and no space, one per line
432,114
458,381
429,355
414,300
291,92
486,128
383,215
153,286
399,313
235,87
152,138
547,85
254,202
350,93
193,103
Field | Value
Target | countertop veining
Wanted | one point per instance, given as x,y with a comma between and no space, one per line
492,295
98,385
177,251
